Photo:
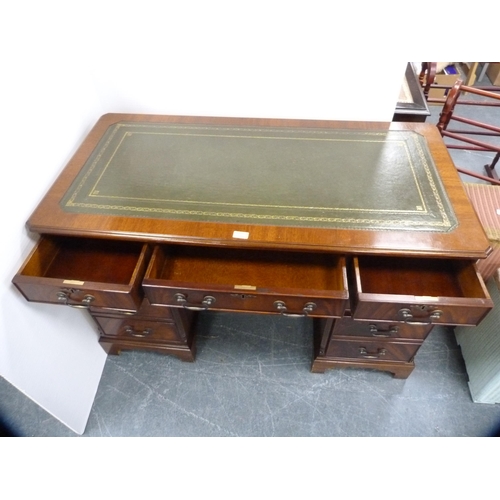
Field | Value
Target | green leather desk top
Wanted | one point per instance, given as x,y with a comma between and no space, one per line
307,185
299,177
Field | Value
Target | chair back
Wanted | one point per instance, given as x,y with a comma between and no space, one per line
478,135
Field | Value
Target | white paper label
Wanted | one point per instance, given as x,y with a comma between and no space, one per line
242,235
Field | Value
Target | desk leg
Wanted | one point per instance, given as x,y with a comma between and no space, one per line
399,369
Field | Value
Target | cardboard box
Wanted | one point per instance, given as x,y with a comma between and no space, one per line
485,199
493,73
444,79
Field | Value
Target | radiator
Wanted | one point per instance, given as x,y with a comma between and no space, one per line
481,350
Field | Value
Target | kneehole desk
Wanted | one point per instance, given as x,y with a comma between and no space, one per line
363,227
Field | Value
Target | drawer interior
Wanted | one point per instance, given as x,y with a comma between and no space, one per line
425,277
253,268
81,259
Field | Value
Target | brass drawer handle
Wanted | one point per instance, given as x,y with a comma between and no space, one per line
377,332
134,333
207,301
372,355
408,317
64,295
280,306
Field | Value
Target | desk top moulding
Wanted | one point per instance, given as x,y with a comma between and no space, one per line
360,187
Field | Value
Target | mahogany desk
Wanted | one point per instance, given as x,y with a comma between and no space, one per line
364,227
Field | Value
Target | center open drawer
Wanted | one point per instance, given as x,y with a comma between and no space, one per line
418,291
265,281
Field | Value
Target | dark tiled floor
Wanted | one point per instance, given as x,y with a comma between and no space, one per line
252,378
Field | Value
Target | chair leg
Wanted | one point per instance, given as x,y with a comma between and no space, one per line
491,180
490,169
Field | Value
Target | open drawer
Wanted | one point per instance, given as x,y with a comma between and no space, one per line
266,281
419,291
83,272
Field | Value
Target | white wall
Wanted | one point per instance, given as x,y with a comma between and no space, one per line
67,63
48,105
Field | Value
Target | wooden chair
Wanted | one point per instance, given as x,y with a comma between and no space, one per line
469,138
427,79
427,76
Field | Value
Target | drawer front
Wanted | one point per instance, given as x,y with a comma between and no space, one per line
377,329
418,291
136,328
365,349
288,305
440,311
145,310
84,273
81,297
